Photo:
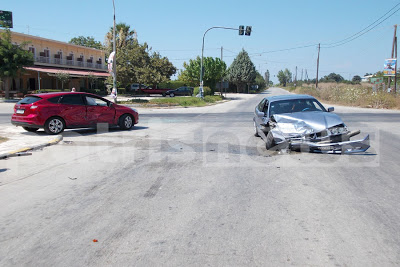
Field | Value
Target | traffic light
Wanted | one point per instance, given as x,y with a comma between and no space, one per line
241,30
248,30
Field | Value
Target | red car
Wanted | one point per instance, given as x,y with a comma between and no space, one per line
57,111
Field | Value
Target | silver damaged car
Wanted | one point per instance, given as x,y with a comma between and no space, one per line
301,123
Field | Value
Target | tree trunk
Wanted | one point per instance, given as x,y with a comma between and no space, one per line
7,87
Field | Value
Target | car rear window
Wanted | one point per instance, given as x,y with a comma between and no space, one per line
29,100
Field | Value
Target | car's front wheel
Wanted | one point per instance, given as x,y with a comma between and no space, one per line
270,143
126,122
30,129
54,125
171,95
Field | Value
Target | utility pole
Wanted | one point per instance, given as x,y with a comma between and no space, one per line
393,45
395,68
302,74
316,82
295,78
114,61
222,82
395,51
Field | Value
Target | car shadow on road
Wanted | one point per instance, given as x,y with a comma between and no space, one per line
85,131
100,130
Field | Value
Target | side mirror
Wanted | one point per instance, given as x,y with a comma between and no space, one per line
331,109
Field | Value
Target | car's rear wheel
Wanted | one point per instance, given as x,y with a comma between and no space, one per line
54,125
126,122
255,130
30,129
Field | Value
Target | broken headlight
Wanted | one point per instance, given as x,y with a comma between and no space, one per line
339,129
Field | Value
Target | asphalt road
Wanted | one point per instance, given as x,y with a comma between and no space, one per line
195,187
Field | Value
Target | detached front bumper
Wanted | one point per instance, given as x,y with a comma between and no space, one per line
346,147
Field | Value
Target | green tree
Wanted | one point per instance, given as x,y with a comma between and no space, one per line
86,41
13,59
137,64
284,77
356,79
260,82
267,77
63,77
332,77
214,70
92,80
242,71
159,69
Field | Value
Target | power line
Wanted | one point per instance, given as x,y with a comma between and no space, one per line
331,44
345,42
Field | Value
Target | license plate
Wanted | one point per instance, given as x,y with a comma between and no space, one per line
20,111
326,148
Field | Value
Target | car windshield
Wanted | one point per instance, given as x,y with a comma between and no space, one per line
29,100
295,105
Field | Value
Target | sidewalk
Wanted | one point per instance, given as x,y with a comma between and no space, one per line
20,141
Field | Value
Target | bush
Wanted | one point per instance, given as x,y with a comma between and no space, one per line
121,91
206,91
212,98
382,100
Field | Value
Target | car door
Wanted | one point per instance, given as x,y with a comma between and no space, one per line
260,114
73,110
99,110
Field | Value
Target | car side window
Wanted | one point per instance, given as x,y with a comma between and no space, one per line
265,107
54,99
93,101
74,99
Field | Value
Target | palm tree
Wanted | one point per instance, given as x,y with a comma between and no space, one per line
123,36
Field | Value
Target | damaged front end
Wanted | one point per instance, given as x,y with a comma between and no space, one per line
313,132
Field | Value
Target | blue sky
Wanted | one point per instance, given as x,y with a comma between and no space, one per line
175,28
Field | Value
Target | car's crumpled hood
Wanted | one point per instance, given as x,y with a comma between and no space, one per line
306,122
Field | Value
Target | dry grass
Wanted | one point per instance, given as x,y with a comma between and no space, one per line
360,95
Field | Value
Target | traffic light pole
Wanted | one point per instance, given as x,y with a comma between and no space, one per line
202,53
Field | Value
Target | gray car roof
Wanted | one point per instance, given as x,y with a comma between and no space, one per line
288,97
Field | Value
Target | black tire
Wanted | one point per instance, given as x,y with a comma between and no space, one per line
171,95
270,143
30,129
126,122
54,125
164,95
255,130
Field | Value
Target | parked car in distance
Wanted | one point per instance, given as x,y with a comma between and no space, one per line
58,111
181,91
135,87
155,90
301,122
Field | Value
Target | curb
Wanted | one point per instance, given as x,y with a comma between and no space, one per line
16,153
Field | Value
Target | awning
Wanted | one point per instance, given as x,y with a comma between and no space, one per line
78,73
